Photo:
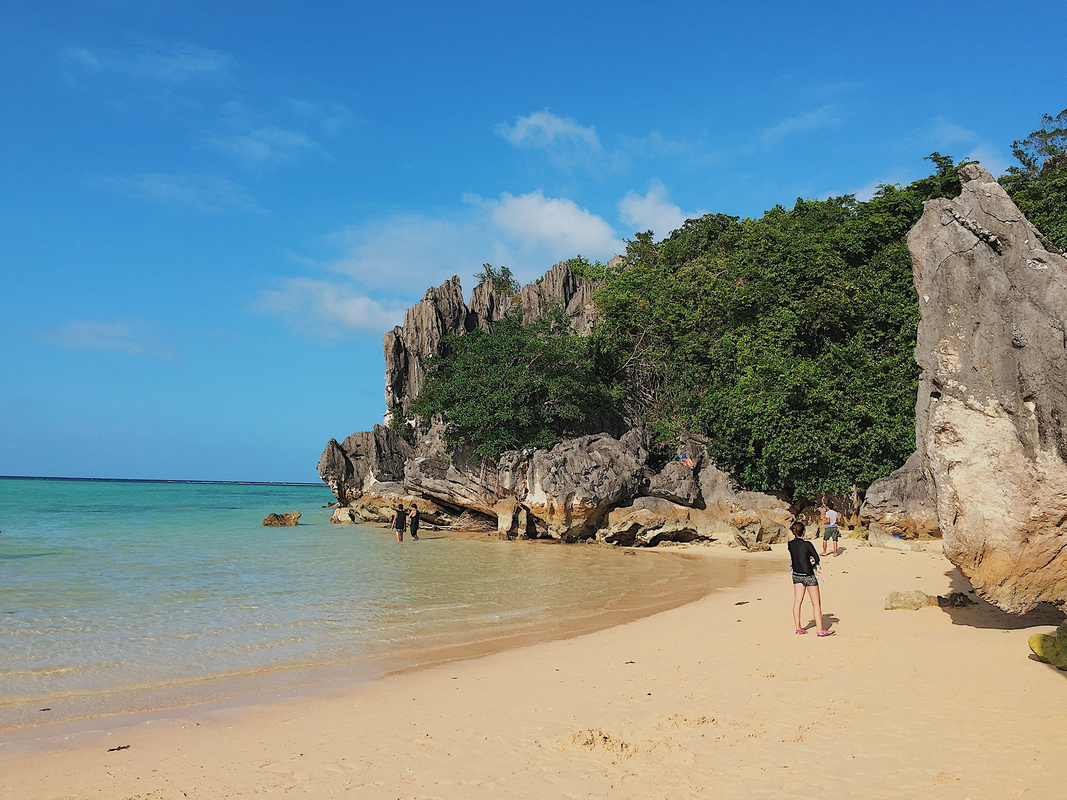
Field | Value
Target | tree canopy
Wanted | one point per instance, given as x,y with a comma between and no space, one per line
516,386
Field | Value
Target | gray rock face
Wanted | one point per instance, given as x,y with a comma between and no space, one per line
561,287
572,487
904,502
992,400
677,483
363,459
440,312
649,521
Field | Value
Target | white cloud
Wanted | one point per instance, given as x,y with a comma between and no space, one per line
129,338
171,61
558,223
825,117
546,130
201,192
266,145
388,263
327,310
653,211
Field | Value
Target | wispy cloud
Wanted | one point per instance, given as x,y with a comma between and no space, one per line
265,146
325,309
334,118
568,144
546,130
821,118
204,193
130,338
944,133
653,211
386,264
174,62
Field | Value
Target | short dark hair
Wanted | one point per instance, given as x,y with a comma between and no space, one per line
797,528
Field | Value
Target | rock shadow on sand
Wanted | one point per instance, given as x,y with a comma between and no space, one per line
984,614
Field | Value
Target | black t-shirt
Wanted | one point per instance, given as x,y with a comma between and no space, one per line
413,520
401,521
801,551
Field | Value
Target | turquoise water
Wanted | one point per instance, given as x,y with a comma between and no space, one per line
117,596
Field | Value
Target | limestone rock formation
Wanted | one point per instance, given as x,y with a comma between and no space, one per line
649,521
992,401
282,520
442,311
678,483
362,460
572,487
904,502
561,287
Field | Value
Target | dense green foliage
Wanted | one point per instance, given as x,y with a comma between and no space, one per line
1039,185
786,340
518,386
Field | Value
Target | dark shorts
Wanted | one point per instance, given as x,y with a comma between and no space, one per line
807,580
830,533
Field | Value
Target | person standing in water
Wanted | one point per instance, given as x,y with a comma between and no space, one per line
830,531
413,522
805,560
400,519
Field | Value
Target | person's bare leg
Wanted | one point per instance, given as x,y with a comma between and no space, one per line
798,598
835,548
816,605
824,546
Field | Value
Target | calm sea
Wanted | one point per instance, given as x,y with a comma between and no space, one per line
125,596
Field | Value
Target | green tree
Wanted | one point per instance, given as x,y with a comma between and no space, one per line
500,279
516,386
1039,185
786,340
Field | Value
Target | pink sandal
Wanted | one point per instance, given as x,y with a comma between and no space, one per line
826,633
802,630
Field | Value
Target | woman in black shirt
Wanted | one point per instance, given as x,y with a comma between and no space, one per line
805,560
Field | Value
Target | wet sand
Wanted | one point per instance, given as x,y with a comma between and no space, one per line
716,698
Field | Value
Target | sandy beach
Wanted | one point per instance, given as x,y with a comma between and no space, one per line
717,698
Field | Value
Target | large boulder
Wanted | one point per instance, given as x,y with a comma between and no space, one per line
648,521
992,401
571,487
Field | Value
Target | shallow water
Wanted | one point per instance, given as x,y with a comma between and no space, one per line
122,596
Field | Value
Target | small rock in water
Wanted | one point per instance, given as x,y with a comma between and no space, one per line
282,520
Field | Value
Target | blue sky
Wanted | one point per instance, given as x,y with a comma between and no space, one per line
210,213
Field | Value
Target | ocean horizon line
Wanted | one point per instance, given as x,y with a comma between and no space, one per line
155,480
